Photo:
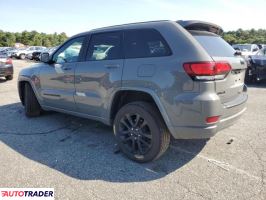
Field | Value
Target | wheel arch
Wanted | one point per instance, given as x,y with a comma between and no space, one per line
127,95
21,87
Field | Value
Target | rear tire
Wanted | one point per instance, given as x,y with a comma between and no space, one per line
140,132
31,104
9,77
22,56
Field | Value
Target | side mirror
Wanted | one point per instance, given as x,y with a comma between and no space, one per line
45,57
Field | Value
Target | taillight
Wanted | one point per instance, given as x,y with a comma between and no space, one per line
9,61
211,120
207,70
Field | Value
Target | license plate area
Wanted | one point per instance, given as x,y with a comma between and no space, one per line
238,76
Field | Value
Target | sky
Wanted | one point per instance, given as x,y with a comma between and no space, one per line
75,16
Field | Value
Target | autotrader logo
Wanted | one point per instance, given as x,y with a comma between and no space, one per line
27,193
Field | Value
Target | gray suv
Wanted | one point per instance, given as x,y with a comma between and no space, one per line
148,80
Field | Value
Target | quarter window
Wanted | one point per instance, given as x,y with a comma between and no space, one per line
145,43
105,46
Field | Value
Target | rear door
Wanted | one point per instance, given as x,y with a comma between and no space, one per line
232,86
100,75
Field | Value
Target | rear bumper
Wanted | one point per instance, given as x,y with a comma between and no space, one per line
6,71
190,121
202,132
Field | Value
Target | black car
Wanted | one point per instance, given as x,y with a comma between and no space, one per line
6,67
36,55
257,67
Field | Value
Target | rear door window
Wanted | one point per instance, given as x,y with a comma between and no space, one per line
215,46
145,43
105,46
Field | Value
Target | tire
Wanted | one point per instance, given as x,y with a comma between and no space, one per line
22,56
31,104
146,138
9,77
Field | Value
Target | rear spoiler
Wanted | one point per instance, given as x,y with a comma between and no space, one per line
201,26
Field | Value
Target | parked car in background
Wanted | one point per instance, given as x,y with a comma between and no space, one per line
257,67
156,79
2,49
246,49
29,56
36,55
6,67
7,50
261,46
22,52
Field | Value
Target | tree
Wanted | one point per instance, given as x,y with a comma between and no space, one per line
46,42
10,39
25,38
42,39
37,40
61,38
32,38
245,36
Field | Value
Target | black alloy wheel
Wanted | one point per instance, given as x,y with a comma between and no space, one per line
140,132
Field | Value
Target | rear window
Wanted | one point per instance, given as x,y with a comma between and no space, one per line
145,43
215,45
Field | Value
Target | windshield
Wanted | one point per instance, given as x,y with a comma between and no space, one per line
215,45
261,52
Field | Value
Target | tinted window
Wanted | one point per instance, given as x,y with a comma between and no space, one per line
105,46
215,45
145,43
69,52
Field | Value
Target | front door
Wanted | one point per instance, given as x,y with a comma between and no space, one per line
57,79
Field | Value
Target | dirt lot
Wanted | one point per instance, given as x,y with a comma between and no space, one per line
75,156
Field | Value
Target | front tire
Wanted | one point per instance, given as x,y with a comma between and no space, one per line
31,104
140,132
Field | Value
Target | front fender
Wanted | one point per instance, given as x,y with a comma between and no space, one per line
31,76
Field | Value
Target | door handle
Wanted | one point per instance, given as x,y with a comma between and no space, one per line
111,66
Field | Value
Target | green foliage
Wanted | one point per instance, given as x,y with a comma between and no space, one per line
32,38
245,36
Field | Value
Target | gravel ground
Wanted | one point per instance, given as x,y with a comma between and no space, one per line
75,157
